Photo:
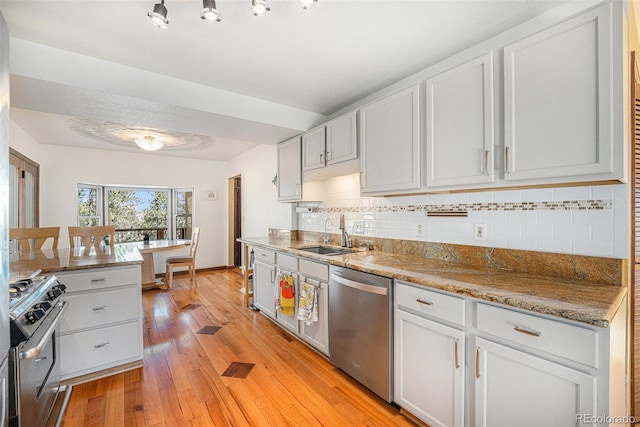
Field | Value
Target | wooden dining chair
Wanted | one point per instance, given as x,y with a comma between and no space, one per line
31,239
91,236
184,261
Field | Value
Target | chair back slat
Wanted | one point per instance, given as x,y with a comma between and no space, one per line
195,239
91,236
30,239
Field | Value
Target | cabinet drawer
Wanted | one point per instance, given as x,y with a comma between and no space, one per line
89,351
568,341
94,309
264,255
435,304
314,269
100,278
287,262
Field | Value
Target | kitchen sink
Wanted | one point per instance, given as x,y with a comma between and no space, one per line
327,250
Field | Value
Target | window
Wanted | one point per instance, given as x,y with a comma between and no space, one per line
160,213
89,206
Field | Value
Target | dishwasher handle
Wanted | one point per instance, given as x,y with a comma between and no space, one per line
360,286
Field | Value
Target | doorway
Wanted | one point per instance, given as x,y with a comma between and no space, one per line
235,221
635,238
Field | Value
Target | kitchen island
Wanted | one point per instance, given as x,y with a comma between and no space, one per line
101,331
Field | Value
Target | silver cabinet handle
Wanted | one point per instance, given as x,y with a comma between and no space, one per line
527,331
506,160
455,354
486,162
327,156
105,344
321,158
297,189
420,301
102,279
104,307
273,276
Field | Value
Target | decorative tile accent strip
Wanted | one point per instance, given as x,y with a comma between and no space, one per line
566,205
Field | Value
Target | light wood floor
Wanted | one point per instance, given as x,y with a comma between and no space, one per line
182,384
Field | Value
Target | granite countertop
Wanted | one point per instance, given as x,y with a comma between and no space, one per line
581,301
53,261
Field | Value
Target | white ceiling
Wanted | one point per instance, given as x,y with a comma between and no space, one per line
244,81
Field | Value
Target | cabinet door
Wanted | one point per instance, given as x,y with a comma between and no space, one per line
342,141
558,101
317,333
289,170
512,387
460,130
264,276
313,149
390,136
429,369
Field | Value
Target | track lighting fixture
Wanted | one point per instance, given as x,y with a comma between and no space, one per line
308,4
260,7
159,16
209,12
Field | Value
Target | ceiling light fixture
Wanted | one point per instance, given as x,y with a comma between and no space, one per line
159,16
149,143
308,4
209,12
260,7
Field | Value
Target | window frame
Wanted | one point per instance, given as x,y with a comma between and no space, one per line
103,202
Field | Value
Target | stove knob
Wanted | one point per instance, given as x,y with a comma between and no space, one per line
34,316
60,286
42,305
53,294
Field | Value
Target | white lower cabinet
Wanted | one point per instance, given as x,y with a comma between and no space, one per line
102,327
518,368
516,388
429,369
264,281
316,334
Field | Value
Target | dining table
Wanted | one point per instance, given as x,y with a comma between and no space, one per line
147,249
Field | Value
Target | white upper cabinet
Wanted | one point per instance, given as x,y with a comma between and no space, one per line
289,170
313,149
342,141
460,124
558,101
390,144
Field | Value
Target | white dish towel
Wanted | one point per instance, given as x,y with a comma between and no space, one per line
308,304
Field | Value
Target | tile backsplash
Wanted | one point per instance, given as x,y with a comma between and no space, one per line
589,220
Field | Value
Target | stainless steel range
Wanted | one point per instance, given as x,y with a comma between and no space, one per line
35,310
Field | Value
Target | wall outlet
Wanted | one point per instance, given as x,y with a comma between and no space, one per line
358,227
479,231
419,229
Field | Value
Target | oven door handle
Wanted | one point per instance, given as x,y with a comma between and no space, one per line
37,349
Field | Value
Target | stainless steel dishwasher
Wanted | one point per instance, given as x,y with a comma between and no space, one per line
360,332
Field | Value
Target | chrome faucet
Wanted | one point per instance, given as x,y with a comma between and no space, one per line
345,240
327,239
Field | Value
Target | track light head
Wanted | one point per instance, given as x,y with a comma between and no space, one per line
209,11
159,16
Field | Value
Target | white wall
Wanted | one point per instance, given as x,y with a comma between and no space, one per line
62,168
22,142
573,220
260,209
